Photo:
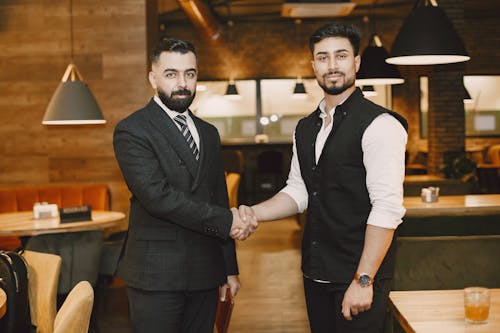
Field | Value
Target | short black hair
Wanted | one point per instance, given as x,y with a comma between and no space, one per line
172,45
336,30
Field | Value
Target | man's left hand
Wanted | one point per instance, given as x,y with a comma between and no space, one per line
357,299
234,285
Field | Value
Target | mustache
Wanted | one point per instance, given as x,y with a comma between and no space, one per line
182,92
333,73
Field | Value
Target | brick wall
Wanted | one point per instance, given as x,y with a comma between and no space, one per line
269,49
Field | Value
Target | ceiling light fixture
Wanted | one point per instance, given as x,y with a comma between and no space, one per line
232,91
427,37
299,91
369,91
467,97
72,102
374,69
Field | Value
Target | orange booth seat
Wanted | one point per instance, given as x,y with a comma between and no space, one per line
16,199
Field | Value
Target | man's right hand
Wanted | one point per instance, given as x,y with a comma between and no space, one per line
244,224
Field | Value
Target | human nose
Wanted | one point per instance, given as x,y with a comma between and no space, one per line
332,63
181,81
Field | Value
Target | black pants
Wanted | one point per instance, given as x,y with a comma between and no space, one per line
324,308
172,311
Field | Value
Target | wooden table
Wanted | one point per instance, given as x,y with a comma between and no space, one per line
440,311
23,224
3,303
474,204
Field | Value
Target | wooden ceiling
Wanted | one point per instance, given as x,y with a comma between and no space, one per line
255,10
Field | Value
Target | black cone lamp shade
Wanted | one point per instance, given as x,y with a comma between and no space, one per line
369,91
374,70
467,97
299,91
72,102
232,91
427,37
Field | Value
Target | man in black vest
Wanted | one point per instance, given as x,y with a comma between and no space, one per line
347,169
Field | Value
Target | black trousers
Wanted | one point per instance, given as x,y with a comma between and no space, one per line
324,308
172,311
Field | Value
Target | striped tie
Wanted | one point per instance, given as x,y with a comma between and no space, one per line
181,120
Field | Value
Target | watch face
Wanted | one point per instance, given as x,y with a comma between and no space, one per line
364,280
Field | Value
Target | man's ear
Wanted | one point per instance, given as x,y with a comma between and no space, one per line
152,80
357,61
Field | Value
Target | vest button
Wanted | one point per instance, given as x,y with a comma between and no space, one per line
314,243
315,193
313,167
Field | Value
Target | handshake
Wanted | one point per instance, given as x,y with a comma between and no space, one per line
244,223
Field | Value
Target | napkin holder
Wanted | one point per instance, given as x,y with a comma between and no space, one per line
44,210
75,214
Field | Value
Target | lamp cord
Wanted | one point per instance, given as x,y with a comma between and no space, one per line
71,26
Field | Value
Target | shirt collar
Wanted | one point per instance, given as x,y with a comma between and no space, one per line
345,103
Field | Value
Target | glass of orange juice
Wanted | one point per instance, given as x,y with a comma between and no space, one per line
476,304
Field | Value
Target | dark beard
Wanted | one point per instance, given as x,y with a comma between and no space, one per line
179,105
335,90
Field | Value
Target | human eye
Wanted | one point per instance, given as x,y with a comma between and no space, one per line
191,75
170,75
321,57
342,56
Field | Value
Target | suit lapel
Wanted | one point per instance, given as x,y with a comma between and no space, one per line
162,122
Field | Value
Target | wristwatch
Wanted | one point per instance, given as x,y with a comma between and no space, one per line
363,279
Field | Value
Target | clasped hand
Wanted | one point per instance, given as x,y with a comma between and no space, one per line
244,222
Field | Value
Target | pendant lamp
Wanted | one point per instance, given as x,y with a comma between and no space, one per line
374,70
232,91
427,37
467,97
369,91
72,102
299,91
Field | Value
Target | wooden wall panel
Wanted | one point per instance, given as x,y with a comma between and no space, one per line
85,170
23,169
110,52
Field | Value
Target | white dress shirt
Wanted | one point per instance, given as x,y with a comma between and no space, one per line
189,120
383,144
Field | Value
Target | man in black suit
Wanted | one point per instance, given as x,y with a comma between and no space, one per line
178,251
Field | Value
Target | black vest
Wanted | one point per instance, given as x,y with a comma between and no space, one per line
339,203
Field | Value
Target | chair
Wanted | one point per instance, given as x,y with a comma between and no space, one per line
43,272
81,253
269,176
74,315
233,161
233,183
494,154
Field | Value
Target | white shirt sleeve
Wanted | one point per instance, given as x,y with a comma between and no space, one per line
295,186
384,145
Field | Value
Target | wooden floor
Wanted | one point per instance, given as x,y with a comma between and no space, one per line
271,299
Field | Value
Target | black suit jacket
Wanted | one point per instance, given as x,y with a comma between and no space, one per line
179,220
